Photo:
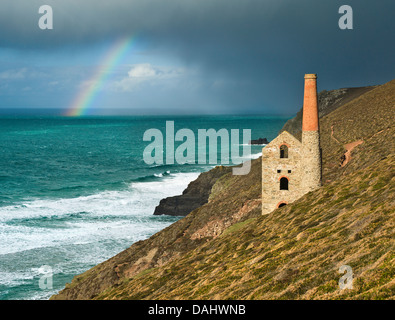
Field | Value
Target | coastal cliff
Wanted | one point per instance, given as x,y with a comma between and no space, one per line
194,196
225,249
199,190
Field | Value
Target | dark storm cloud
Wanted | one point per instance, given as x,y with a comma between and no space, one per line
257,50
91,20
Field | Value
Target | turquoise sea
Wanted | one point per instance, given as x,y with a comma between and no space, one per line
76,191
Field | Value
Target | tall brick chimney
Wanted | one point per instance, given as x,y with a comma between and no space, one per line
310,103
311,136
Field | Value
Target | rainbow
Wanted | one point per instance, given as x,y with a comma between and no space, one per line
84,99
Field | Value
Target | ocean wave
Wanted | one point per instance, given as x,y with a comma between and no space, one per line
167,167
250,156
105,215
252,145
152,177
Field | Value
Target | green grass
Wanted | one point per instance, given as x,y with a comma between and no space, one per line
237,226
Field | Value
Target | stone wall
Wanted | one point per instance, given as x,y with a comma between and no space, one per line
302,167
311,161
274,168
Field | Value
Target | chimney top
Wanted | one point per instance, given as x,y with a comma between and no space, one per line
310,76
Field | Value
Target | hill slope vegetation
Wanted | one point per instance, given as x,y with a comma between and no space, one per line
226,250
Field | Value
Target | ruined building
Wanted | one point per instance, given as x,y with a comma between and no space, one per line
291,168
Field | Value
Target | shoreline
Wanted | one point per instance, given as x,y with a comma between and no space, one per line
85,232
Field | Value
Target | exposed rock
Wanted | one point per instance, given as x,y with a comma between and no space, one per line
216,227
259,141
194,196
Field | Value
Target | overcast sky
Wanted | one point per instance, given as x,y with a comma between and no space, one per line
191,56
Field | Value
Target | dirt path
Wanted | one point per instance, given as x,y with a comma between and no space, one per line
349,147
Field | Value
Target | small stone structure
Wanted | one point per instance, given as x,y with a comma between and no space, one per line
291,168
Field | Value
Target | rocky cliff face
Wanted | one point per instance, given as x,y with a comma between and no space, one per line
226,249
194,196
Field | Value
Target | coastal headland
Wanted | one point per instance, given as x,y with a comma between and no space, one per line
225,249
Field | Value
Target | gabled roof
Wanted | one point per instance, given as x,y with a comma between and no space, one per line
286,137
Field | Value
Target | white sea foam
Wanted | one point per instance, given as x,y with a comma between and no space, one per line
107,215
256,155
257,145
70,235
251,156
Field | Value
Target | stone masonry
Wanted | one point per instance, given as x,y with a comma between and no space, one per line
291,168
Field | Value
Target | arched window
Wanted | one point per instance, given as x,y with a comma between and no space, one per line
284,183
283,151
282,204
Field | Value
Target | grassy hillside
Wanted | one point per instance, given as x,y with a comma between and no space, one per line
233,199
225,249
293,253
328,101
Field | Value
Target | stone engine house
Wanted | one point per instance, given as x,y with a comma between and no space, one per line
291,168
